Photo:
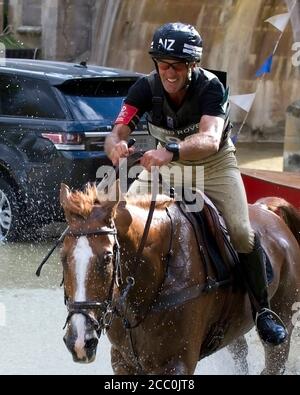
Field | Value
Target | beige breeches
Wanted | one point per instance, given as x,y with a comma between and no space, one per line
224,186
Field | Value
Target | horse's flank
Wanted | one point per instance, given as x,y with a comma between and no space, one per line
284,210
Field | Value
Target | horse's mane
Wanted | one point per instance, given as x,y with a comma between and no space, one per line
162,201
82,203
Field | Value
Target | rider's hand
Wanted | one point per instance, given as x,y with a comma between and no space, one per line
158,157
119,151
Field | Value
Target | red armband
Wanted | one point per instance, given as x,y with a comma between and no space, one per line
126,115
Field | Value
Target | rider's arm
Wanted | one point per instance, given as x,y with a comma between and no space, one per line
116,143
135,104
204,143
207,141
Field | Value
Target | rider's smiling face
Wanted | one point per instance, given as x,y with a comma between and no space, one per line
173,74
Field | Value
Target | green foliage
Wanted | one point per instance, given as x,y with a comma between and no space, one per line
10,42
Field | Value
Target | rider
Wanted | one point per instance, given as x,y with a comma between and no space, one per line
190,103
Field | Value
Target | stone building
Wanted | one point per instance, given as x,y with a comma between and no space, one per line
117,33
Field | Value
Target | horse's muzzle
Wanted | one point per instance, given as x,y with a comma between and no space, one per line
84,353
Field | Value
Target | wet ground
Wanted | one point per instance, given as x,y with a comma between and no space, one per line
32,312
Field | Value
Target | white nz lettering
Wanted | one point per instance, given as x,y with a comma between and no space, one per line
167,44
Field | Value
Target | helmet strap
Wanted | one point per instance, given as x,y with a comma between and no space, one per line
155,64
189,76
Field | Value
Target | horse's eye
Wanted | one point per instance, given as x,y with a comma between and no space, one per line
108,256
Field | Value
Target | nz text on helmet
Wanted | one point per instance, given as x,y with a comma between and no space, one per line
167,44
177,40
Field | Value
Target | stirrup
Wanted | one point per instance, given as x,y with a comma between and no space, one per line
270,328
272,313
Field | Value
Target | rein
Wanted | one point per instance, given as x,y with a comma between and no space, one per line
132,160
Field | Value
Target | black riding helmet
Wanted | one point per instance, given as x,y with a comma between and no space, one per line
177,41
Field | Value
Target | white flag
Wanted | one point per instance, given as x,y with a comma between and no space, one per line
279,21
243,101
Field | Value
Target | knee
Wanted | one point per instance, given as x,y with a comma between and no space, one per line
242,239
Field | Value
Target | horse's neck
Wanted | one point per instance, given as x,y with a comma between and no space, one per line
131,221
148,269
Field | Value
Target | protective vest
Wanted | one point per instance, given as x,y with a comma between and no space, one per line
164,121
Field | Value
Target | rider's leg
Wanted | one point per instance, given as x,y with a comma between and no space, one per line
252,265
226,189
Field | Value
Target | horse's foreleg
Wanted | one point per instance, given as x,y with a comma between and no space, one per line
174,368
119,365
239,351
277,356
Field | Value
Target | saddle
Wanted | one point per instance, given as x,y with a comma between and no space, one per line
219,256
220,262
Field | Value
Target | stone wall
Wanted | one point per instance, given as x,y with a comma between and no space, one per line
1,15
236,40
67,29
25,18
291,156
118,33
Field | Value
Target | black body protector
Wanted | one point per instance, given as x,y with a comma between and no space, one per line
164,121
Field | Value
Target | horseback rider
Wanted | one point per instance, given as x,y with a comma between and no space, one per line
189,103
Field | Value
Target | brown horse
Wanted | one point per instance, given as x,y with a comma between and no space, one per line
108,287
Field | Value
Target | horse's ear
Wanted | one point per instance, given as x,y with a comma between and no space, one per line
64,194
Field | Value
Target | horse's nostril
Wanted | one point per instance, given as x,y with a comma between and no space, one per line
91,344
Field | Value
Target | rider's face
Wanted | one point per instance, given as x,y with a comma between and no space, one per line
173,74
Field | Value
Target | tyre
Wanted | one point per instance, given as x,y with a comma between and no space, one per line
10,228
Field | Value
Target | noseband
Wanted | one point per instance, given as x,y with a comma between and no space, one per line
106,307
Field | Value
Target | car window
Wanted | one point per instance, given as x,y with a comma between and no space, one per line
27,97
95,99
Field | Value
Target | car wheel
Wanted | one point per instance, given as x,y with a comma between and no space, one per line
9,213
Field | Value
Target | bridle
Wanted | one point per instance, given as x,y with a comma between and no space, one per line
106,307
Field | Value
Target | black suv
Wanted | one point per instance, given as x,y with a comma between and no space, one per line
54,118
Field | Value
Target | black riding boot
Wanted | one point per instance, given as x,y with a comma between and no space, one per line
269,326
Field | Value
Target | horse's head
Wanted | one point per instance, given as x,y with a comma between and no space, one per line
90,257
